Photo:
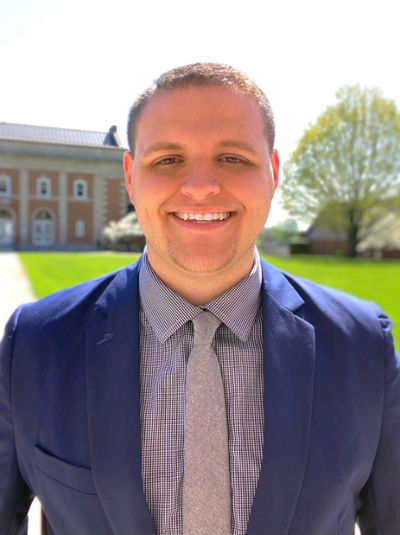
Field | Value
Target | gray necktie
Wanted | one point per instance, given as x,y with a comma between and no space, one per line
207,507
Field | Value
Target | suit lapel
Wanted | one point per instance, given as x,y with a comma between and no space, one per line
113,389
289,354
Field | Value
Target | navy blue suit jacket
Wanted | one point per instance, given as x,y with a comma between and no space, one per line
70,414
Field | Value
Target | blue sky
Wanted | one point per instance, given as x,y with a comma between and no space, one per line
80,63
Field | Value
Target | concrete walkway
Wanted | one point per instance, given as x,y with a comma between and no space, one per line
15,290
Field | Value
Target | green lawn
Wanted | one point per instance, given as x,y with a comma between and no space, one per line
370,280
50,272
376,281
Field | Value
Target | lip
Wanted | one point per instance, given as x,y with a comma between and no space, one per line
201,210
202,227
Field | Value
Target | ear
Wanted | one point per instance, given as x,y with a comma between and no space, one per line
275,167
128,163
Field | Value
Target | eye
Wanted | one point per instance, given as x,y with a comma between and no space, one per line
231,159
168,161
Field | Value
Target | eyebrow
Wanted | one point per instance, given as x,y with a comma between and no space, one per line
162,146
234,143
237,144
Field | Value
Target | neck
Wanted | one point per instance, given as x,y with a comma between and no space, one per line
199,288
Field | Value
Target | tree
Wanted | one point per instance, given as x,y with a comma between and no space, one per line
283,231
345,171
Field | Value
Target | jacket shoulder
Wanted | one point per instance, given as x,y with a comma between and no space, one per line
339,313
77,300
329,298
329,310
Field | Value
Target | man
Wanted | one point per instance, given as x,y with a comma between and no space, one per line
200,390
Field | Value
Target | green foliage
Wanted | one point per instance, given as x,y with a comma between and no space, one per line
345,170
283,231
366,279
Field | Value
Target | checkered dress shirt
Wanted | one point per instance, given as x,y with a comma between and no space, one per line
166,339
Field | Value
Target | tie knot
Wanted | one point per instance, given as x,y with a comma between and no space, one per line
205,324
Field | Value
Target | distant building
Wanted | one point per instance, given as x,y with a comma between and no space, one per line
59,187
324,242
380,241
269,246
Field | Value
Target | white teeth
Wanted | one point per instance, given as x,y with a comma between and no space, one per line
209,216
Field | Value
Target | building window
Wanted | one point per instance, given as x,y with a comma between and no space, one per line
43,187
80,189
5,185
79,229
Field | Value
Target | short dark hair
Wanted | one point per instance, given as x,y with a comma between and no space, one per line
203,75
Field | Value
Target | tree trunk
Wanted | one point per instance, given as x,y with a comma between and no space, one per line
353,241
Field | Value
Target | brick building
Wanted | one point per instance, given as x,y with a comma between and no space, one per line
324,242
58,187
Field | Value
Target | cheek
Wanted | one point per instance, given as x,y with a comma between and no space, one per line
256,192
258,203
140,190
266,187
150,194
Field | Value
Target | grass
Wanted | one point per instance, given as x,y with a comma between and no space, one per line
376,281
50,272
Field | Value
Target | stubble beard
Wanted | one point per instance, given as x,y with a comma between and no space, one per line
202,269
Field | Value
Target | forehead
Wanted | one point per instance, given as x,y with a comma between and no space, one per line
200,112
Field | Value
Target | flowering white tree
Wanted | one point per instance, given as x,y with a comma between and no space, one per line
345,171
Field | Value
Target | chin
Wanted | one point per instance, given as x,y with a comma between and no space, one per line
196,262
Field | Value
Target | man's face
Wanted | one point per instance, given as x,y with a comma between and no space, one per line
202,179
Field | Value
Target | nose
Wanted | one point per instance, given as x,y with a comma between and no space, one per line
200,182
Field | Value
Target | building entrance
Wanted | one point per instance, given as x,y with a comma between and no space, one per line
6,228
43,229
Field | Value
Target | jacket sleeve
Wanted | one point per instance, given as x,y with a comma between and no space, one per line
15,496
379,512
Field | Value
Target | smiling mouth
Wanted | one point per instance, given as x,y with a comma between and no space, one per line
203,218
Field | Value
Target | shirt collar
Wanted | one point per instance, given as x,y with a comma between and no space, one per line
167,311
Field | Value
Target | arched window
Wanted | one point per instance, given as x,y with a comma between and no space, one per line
5,185
43,187
80,189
